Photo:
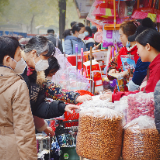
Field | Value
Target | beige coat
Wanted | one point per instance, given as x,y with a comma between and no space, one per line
17,131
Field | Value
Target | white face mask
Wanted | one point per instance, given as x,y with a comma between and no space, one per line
41,65
81,36
20,66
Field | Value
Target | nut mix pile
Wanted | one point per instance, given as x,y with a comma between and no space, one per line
141,143
140,104
99,134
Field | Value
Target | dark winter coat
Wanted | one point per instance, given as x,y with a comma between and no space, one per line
39,106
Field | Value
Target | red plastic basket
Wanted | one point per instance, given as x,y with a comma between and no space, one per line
74,115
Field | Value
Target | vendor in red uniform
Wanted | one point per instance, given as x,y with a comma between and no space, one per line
127,29
148,44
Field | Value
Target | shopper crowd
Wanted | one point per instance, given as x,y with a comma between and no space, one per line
24,89
25,82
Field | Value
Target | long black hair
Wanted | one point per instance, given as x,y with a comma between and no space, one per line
77,27
53,66
150,36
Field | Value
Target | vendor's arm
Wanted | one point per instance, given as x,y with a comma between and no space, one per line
115,96
118,95
138,75
55,92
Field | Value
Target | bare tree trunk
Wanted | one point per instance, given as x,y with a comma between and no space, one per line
62,17
32,23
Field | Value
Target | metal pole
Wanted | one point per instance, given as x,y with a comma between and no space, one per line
76,49
82,59
49,146
114,7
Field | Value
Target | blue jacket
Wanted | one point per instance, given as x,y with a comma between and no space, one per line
70,42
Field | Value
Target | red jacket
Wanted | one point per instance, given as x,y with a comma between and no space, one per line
154,77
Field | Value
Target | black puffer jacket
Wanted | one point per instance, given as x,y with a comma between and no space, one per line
157,106
39,106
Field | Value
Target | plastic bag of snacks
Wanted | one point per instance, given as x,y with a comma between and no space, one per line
140,104
141,140
99,134
96,102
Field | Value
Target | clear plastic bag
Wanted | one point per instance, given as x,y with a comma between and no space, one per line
141,140
96,102
99,134
68,77
122,107
140,104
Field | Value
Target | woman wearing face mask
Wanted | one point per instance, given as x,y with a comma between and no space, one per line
17,132
55,92
127,28
40,124
89,38
74,36
36,55
149,51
